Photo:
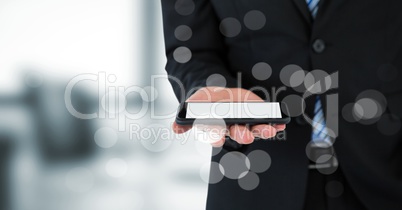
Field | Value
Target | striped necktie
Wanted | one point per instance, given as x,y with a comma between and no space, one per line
313,6
320,132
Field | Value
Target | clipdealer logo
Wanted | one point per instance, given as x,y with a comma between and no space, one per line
112,99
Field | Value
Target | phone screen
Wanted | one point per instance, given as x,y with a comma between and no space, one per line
255,110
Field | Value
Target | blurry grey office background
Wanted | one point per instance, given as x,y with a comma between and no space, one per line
50,159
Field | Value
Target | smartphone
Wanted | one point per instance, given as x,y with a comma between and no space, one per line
250,113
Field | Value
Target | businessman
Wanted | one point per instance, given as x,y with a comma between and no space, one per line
223,49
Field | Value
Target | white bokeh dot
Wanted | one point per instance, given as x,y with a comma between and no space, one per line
216,80
261,71
317,81
321,145
334,189
287,72
79,180
182,54
260,161
324,158
183,33
235,164
375,95
323,170
230,27
212,172
105,137
366,108
249,181
184,7
116,167
369,106
297,78
348,113
254,20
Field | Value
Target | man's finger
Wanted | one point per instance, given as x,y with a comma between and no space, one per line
180,128
263,131
280,127
241,134
219,143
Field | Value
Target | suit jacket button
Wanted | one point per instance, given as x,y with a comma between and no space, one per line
318,46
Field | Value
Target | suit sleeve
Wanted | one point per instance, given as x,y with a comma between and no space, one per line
208,52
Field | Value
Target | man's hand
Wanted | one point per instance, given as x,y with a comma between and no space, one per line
240,133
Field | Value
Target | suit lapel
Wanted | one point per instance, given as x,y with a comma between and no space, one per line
303,9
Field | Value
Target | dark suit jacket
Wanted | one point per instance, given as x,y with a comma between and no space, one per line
361,39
